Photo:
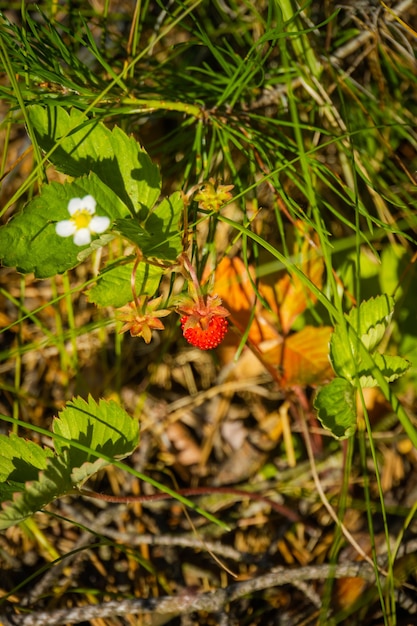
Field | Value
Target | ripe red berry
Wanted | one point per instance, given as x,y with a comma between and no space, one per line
204,338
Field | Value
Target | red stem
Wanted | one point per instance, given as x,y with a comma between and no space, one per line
133,278
190,269
196,491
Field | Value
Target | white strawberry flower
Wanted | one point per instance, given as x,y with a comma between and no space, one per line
83,223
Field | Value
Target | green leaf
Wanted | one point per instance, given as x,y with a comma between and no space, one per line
9,489
21,460
82,145
29,241
336,408
391,367
367,324
344,351
113,286
53,482
105,428
372,319
158,236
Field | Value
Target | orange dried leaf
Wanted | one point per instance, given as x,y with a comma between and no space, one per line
234,286
302,357
288,297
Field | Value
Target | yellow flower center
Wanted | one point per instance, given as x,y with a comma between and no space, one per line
82,218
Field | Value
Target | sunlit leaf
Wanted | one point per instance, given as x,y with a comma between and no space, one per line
391,367
365,325
302,357
35,476
20,459
104,427
82,145
29,241
113,287
371,319
158,236
288,296
52,482
233,285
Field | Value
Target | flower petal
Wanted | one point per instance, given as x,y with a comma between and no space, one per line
87,203
82,237
65,228
99,224
74,205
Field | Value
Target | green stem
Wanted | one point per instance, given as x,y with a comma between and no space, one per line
143,104
300,43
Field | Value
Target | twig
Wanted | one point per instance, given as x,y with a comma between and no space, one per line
132,538
188,601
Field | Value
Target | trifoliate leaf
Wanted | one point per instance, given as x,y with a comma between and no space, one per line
365,325
81,145
29,241
342,355
371,320
35,476
113,287
336,408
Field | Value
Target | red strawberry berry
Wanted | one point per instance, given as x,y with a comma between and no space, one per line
204,338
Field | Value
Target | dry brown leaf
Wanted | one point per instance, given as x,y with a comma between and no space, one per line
187,451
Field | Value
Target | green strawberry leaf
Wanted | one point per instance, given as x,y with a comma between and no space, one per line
35,476
158,236
104,427
21,460
113,287
372,319
81,145
391,367
336,408
54,481
29,241
365,325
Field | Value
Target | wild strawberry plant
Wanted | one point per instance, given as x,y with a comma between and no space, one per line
112,191
358,365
